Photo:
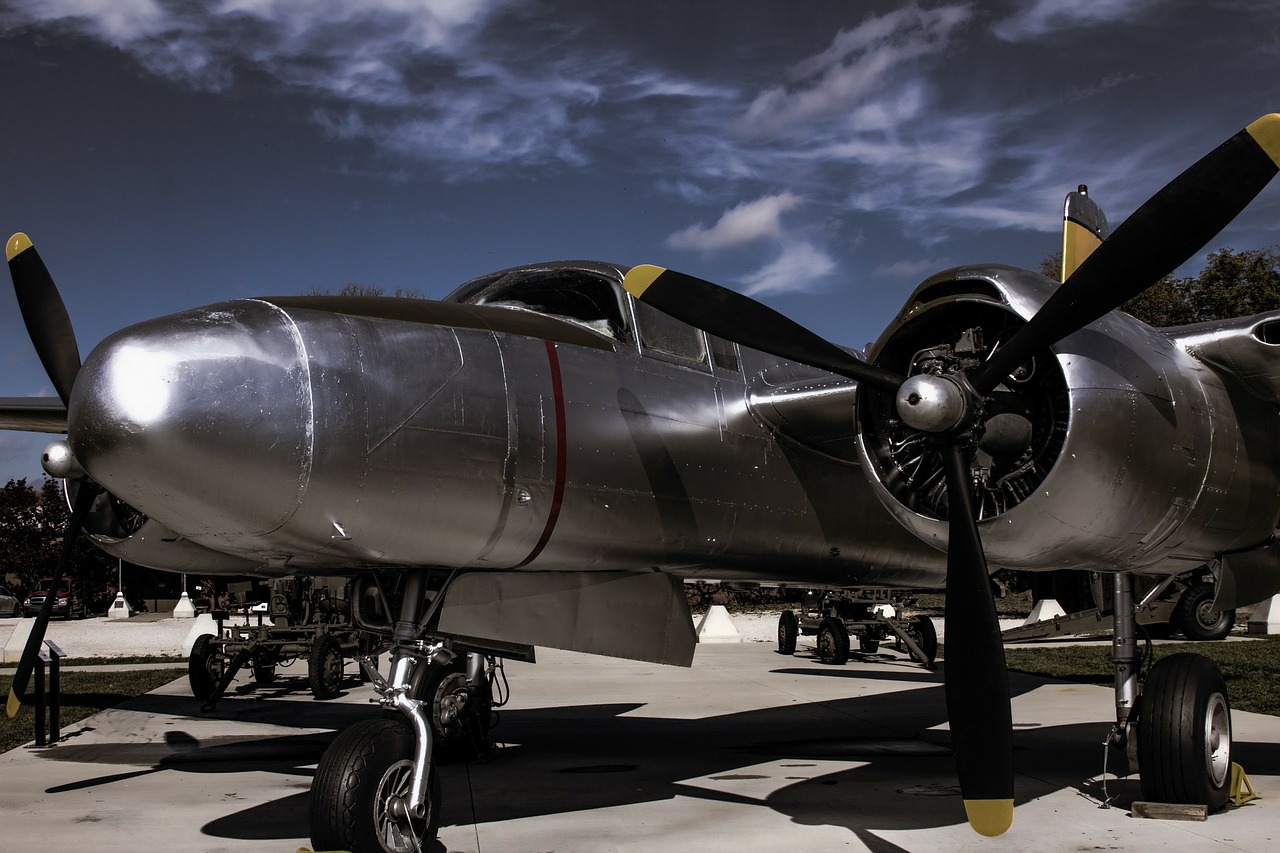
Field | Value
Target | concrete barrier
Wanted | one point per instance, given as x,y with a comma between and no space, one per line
203,624
1265,618
717,627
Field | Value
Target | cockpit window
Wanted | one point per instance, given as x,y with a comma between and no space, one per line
665,334
572,295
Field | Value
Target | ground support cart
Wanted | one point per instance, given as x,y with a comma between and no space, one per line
298,623
873,616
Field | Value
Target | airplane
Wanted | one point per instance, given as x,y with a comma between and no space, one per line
543,456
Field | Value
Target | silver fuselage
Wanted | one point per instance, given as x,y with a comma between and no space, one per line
286,435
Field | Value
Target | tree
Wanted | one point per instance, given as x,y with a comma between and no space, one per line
1232,284
32,523
1236,284
355,288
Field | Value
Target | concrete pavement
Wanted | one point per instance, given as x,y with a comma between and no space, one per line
746,751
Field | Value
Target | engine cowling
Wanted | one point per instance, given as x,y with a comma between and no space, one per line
1115,448
127,534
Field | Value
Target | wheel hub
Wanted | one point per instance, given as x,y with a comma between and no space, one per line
1217,739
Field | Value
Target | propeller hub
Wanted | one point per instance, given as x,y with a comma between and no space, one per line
930,403
60,463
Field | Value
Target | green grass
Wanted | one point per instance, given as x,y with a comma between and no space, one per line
177,660
83,694
1251,669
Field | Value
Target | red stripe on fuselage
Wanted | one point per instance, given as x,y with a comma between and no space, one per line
562,449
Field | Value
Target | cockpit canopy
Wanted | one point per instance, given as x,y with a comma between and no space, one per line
590,294
587,296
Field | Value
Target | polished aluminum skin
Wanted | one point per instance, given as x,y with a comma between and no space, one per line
552,424
1167,461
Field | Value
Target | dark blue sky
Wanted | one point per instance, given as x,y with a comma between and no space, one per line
823,156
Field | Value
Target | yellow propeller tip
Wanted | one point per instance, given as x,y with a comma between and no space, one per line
1266,132
638,279
17,244
14,705
989,817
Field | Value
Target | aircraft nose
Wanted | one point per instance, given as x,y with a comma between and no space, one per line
200,419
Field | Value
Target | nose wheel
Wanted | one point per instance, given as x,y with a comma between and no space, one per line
361,790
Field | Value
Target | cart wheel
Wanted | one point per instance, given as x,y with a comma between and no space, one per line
788,630
926,637
205,667
833,642
868,643
326,668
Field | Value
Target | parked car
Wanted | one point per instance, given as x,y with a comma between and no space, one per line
68,605
10,604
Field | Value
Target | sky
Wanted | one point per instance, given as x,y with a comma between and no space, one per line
823,156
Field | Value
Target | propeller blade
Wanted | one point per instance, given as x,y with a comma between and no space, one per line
45,315
977,683
1163,233
31,651
730,315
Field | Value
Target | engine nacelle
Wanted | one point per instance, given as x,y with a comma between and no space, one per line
1119,449
127,534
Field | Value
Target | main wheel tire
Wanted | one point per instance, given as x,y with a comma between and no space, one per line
361,781
1184,733
1195,617
788,630
325,666
833,642
204,667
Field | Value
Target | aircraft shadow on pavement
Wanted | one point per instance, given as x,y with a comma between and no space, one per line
559,760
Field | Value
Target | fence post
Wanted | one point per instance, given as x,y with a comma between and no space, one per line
56,655
39,700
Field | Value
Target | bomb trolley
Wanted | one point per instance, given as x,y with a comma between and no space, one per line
300,621
872,615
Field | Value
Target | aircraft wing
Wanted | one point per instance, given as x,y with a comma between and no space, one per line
33,414
1246,348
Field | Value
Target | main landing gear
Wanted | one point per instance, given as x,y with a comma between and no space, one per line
1177,731
375,789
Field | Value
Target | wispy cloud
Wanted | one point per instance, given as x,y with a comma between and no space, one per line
745,223
1047,16
905,269
799,267
879,117
848,78
408,75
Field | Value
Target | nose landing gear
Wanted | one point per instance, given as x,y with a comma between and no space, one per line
375,788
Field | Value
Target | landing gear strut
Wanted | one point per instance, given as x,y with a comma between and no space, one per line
1177,731
375,788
